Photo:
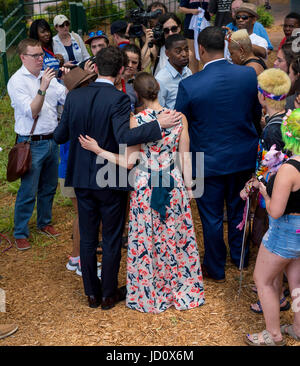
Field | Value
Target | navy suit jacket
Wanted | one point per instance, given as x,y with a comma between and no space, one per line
223,113
102,112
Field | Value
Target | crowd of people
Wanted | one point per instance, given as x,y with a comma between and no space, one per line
188,134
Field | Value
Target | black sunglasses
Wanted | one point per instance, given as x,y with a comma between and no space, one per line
244,17
65,24
172,29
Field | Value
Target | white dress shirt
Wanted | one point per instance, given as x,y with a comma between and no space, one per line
210,62
163,59
169,79
22,88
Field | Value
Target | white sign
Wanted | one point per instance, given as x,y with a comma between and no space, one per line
296,41
2,40
2,301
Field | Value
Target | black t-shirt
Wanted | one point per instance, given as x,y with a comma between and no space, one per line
293,204
272,133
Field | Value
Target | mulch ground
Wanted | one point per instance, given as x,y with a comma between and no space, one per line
48,304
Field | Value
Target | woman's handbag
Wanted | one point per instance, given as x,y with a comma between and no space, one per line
19,157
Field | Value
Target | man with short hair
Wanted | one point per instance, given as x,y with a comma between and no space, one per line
221,105
177,51
102,112
118,30
97,41
246,16
34,95
291,22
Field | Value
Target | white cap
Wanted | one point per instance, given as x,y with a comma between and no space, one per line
60,19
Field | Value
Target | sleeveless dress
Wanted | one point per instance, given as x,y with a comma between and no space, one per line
163,263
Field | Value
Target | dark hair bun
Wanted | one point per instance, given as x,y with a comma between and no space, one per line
146,86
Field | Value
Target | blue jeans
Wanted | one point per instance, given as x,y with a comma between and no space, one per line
283,237
40,182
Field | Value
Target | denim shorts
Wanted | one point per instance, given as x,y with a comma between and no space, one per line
283,236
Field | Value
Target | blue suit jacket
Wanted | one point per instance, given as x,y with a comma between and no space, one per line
102,112
221,106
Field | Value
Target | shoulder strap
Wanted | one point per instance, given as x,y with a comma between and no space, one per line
294,163
258,61
34,125
276,120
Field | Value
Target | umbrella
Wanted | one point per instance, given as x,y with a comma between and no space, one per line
243,245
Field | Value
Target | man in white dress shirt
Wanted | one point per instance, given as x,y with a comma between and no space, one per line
169,77
34,93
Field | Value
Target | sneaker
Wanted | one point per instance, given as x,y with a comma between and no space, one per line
49,230
78,269
71,266
22,244
7,330
99,264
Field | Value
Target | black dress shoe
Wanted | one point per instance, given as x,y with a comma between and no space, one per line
94,301
110,301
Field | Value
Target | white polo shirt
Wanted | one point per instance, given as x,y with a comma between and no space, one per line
22,88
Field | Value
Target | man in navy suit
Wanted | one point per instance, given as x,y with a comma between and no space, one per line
221,105
102,112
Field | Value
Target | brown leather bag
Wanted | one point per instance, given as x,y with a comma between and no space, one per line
19,158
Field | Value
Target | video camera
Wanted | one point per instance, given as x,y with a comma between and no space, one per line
139,17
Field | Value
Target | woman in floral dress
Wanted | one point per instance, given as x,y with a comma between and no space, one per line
163,264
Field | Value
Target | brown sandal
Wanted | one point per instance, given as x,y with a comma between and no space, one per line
287,329
267,340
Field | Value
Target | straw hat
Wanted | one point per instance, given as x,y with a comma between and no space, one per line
248,8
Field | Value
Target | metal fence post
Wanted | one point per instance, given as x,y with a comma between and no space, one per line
73,16
295,5
21,2
81,18
4,58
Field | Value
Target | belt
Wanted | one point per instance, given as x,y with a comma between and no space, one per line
41,137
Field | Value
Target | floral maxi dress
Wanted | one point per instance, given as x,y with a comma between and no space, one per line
163,263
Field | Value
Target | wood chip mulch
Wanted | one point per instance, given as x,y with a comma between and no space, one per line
48,304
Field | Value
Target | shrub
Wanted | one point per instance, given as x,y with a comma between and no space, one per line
265,18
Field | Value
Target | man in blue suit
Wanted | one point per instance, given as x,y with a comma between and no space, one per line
102,112
221,105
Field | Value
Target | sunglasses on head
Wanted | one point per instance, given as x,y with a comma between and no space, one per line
172,29
230,40
65,24
244,17
98,33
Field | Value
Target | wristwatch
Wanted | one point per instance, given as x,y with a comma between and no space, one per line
41,92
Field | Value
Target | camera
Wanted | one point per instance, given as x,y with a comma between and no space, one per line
82,63
139,17
158,36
